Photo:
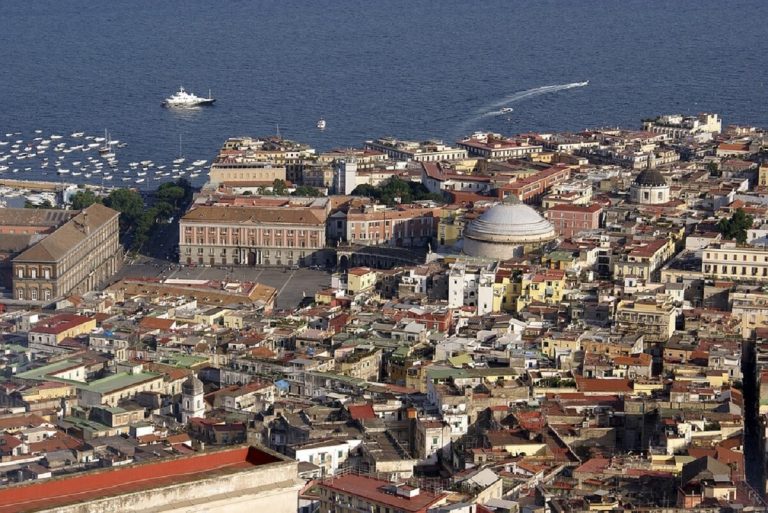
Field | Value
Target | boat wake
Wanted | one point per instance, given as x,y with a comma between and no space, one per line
496,108
529,93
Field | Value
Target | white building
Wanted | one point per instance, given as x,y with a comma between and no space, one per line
329,455
345,176
471,285
678,126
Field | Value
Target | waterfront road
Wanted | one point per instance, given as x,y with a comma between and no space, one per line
292,285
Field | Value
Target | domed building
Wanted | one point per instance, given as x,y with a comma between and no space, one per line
649,188
507,230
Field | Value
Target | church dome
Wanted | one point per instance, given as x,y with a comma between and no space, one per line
507,230
650,178
512,222
192,386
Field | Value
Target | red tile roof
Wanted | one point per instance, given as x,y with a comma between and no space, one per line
59,323
156,323
374,490
59,492
361,411
604,385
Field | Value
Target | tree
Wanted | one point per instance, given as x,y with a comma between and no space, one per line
171,193
306,190
129,203
736,227
83,199
279,187
713,169
43,204
396,190
366,190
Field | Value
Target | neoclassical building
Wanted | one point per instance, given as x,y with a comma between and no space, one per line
507,230
649,188
255,235
78,256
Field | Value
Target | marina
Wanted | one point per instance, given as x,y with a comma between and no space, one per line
53,160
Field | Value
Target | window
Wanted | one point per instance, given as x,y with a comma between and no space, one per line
47,274
20,273
20,294
33,273
33,294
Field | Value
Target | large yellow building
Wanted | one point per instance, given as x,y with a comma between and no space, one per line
543,287
360,279
79,256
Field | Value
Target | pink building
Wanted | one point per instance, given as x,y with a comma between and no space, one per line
569,220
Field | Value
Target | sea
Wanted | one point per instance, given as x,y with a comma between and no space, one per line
412,69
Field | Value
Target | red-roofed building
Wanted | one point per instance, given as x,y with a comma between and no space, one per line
531,189
494,146
361,412
52,330
149,324
568,219
589,386
360,493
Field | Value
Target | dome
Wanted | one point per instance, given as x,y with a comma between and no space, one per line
511,222
507,230
192,386
650,178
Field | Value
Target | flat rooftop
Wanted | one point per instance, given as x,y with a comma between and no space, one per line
79,488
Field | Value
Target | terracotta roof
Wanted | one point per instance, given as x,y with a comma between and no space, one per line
59,323
54,443
604,385
359,271
375,490
567,207
21,421
65,238
594,465
361,411
156,323
34,217
86,486
252,215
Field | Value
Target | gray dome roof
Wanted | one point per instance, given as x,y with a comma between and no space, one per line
192,386
511,222
650,178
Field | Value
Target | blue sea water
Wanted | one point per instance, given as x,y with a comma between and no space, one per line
411,69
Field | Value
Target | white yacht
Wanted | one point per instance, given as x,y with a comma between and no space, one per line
321,124
182,98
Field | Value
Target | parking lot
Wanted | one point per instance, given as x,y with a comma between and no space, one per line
291,286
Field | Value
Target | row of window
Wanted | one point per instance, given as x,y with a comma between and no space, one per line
34,294
745,270
32,273
735,258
